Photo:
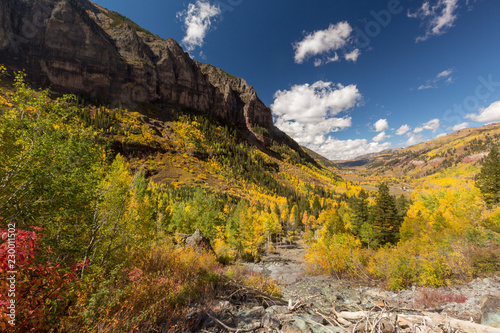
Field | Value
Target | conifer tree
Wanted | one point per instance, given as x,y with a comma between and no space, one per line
386,220
360,210
488,179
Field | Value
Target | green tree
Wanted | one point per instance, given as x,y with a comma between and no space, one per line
50,167
488,179
360,211
385,219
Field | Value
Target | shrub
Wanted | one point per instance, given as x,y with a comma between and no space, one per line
432,298
153,289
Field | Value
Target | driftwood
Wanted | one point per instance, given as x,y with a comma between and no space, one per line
463,325
369,321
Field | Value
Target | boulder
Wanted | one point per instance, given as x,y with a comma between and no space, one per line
490,311
198,241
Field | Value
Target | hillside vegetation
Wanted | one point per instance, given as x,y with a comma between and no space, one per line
97,198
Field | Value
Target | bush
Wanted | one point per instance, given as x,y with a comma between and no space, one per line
150,291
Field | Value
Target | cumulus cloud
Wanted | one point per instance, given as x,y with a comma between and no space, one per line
403,130
441,135
314,103
306,134
413,139
197,19
490,114
380,137
460,126
309,114
430,125
381,125
437,17
334,149
322,41
325,45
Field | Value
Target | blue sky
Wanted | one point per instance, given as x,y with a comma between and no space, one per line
346,78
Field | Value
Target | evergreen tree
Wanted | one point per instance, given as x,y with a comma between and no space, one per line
361,213
316,207
488,179
386,220
402,205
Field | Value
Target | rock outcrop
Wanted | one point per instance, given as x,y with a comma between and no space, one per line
198,241
75,46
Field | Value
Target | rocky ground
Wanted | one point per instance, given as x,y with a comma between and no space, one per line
320,304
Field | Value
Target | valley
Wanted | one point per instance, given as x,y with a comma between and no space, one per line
117,147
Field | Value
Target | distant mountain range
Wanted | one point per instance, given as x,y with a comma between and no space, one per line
466,146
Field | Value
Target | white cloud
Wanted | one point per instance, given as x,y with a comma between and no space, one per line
445,76
353,56
308,113
314,103
430,125
380,137
426,86
347,149
437,17
305,133
414,139
322,41
197,20
319,62
403,130
445,73
460,126
441,135
381,125
490,114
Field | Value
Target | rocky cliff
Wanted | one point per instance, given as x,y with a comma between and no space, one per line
79,47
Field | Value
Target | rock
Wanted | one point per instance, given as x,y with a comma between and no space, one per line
77,47
386,326
288,328
490,311
319,320
301,324
193,321
314,290
277,309
271,321
198,241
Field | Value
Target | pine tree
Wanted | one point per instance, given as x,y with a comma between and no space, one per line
386,220
361,212
488,179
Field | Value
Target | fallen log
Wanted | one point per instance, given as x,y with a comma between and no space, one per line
463,325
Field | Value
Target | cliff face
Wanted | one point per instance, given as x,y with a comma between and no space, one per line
78,47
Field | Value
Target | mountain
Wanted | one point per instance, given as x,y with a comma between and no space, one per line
76,46
460,148
365,159
320,159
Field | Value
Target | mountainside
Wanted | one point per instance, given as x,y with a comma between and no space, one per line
460,148
75,46
365,159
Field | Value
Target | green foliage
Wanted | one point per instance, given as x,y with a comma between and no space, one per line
386,219
49,169
119,19
488,179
